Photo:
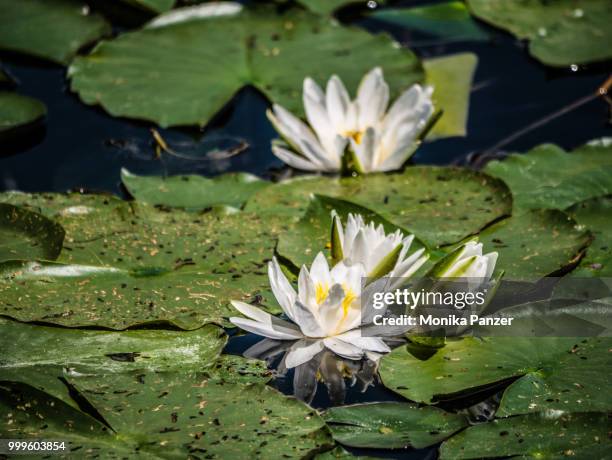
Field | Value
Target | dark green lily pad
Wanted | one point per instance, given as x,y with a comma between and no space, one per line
179,412
156,6
547,177
535,243
568,374
450,21
391,425
596,216
311,235
17,110
440,205
41,356
193,192
26,234
272,52
533,436
341,453
125,263
451,76
560,33
49,29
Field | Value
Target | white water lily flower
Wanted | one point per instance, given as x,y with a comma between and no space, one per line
369,245
468,262
378,140
326,312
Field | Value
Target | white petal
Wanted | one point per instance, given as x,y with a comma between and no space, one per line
281,288
294,160
319,271
302,352
491,261
307,319
337,102
306,287
372,98
355,338
267,330
346,350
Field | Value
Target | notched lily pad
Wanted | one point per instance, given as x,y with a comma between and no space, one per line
391,425
26,234
270,51
17,112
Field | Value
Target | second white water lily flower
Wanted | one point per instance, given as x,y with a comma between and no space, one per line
381,254
377,139
325,312
468,262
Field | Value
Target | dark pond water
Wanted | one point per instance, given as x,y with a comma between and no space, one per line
83,147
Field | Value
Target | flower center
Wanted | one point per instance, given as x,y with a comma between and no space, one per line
321,291
349,297
357,136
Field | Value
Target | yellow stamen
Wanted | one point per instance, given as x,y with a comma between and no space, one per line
321,291
349,297
356,135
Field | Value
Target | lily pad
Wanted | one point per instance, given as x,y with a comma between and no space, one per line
535,243
567,374
391,425
272,52
450,21
28,235
17,110
193,192
533,436
42,356
178,412
49,29
595,215
341,453
560,33
311,235
125,263
156,6
440,205
451,76
547,177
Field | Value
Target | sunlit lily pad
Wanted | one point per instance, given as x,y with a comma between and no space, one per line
49,29
124,264
535,243
439,205
567,374
28,235
391,425
533,436
42,356
450,21
171,76
596,215
193,192
549,177
17,111
560,33
451,76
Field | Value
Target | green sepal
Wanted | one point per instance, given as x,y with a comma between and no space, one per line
336,243
386,264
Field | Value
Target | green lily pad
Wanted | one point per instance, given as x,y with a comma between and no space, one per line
41,356
535,243
49,29
341,453
440,205
451,76
595,215
547,177
533,436
450,21
391,425
175,413
311,235
156,6
128,263
17,110
184,84
560,33
28,235
567,374
193,192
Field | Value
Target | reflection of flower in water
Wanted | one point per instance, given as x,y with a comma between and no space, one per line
376,138
326,367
